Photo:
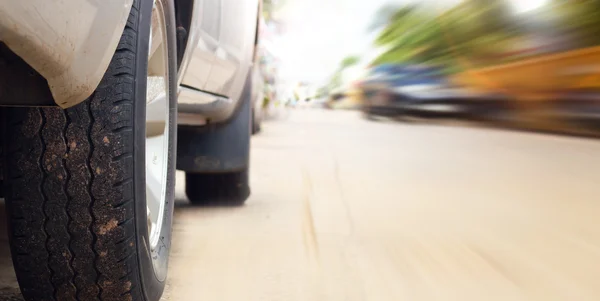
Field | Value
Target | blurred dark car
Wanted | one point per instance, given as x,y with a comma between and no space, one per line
395,90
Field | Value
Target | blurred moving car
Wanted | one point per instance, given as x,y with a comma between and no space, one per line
396,90
538,59
94,94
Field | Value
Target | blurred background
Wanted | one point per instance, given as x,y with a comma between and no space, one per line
409,150
437,149
529,64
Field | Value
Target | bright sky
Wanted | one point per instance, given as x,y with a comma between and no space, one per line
321,33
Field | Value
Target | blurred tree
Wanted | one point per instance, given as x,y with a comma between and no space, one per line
322,92
580,20
398,23
336,79
471,29
478,33
382,16
349,61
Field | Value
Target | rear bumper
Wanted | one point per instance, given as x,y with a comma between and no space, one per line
70,42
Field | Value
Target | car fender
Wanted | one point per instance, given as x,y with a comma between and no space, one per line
69,42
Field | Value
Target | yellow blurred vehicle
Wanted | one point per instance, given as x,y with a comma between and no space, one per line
353,96
542,78
348,99
546,64
553,91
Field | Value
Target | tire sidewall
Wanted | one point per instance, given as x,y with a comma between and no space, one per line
153,263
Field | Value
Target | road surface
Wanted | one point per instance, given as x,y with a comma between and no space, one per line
347,209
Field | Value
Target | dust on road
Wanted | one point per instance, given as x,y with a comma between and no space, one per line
345,209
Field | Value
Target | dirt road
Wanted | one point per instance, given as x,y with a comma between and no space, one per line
346,209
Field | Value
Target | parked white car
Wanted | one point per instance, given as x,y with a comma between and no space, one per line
94,95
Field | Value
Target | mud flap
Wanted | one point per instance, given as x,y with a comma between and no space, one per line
223,147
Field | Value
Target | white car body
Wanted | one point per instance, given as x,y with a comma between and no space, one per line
71,42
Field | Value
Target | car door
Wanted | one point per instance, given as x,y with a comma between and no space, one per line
224,45
234,54
203,43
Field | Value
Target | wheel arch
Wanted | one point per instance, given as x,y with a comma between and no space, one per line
55,40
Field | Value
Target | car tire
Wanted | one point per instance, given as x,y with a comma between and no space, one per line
370,117
367,113
76,179
231,188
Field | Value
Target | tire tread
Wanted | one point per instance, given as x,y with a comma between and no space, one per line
70,190
225,189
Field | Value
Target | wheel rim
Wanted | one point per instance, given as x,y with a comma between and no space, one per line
157,124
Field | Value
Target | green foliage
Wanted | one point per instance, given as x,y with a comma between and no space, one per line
322,92
349,62
483,32
383,16
416,35
582,18
336,79
400,22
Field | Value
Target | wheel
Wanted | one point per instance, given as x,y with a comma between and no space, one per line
230,188
368,116
367,113
90,188
402,118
